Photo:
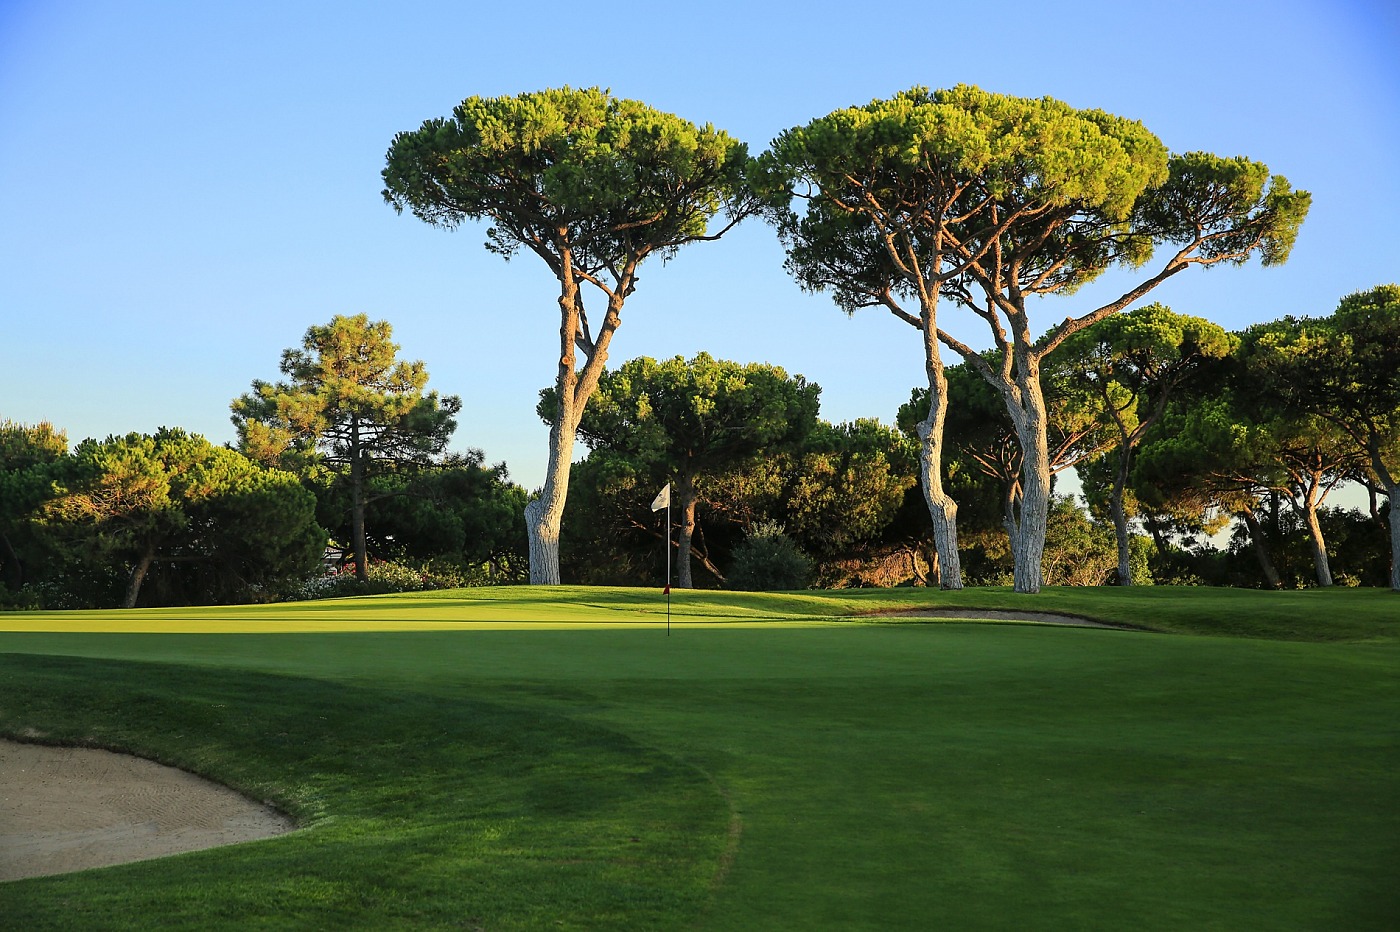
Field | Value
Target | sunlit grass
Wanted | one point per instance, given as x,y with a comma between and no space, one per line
785,761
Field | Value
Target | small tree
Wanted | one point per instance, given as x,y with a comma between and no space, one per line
1345,370
349,404
591,184
694,419
1133,362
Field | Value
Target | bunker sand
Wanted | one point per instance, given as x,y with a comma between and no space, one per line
69,809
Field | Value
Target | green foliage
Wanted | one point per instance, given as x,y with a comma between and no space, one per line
905,188
612,178
769,560
591,184
842,495
204,522
348,400
694,417
692,421
460,511
32,461
1234,202
847,486
349,405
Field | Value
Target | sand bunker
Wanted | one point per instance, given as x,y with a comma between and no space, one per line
68,809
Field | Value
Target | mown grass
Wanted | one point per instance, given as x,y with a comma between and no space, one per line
780,769
416,811
1336,614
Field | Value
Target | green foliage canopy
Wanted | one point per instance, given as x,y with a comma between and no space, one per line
579,177
174,498
32,458
349,404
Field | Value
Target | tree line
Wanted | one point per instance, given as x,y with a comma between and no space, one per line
1168,420
979,200
349,448
1176,428
955,200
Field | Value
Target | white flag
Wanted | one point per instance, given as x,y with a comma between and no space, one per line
663,499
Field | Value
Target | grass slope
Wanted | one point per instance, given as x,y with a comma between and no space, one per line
774,775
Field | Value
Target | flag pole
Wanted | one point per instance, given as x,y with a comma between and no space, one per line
668,566
663,500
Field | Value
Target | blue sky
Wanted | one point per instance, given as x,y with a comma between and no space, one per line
185,187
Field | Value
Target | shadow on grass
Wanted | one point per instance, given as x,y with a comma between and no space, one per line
416,811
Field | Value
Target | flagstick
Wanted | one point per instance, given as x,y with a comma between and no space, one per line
668,564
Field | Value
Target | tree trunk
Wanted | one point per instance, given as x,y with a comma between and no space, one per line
13,575
1321,567
1261,551
1028,546
357,512
1120,523
1154,527
1392,492
545,513
138,576
685,498
941,507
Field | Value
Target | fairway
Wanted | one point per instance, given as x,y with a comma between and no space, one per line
528,758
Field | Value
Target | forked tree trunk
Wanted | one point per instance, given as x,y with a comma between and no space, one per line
545,512
941,507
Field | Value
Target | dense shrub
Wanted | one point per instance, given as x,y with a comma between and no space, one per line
768,559
388,577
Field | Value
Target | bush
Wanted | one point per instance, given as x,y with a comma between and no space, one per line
387,577
25,600
768,559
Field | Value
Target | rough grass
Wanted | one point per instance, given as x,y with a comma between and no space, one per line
780,767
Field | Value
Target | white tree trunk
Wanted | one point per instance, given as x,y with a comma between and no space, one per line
1393,492
1028,544
941,507
1120,526
545,513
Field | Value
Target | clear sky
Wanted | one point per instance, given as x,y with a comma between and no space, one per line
186,187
